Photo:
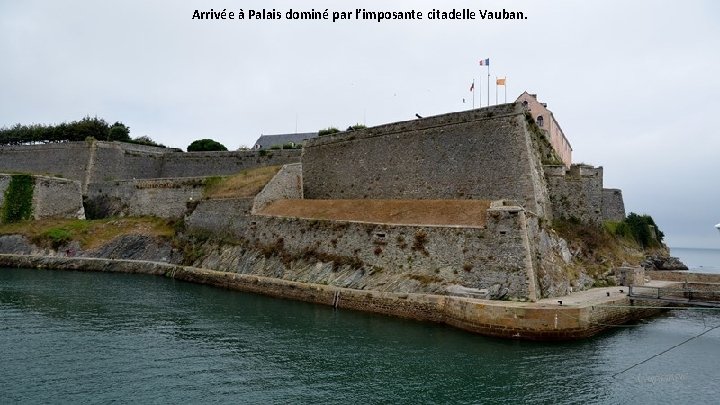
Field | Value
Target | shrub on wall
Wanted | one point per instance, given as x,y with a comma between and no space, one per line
328,131
356,127
640,228
206,145
144,140
18,198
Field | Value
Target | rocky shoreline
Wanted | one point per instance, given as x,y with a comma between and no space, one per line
659,262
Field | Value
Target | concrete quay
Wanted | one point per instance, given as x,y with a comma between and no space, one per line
581,315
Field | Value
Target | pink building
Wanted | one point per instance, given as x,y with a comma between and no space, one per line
546,121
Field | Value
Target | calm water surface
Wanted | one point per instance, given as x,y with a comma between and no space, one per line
699,260
70,337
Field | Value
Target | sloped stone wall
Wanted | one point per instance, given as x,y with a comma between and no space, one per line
381,257
479,154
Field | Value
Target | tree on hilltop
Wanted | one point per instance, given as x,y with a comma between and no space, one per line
206,145
119,132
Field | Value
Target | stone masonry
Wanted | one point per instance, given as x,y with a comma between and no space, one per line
479,154
52,197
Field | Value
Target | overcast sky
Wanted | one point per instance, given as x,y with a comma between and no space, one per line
632,83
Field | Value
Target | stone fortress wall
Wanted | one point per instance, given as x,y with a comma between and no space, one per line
98,161
164,198
480,154
485,154
494,261
577,193
52,197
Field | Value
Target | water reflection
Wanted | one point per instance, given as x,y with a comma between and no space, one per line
154,339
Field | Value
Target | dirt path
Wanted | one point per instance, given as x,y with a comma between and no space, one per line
402,212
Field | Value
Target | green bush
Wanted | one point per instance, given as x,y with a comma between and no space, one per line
206,145
640,228
356,127
144,140
57,236
18,198
119,132
328,131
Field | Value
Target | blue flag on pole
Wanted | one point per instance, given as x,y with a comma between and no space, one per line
485,62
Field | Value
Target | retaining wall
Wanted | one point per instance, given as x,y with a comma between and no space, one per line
164,198
377,256
683,276
285,185
52,197
220,217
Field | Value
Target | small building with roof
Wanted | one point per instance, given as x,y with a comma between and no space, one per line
268,141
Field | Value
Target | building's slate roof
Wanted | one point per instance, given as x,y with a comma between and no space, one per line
266,141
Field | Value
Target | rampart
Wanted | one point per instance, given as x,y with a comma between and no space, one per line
52,197
480,154
577,193
97,161
286,184
497,260
164,198
613,206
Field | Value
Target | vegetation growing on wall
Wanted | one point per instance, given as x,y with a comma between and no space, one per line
89,234
247,183
18,198
86,128
328,131
639,228
356,127
548,156
598,250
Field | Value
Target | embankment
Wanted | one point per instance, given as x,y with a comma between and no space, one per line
545,320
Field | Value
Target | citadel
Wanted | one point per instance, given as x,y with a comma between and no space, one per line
414,218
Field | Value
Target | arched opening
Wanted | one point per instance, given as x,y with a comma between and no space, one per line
540,121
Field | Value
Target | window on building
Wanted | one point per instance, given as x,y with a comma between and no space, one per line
525,103
540,121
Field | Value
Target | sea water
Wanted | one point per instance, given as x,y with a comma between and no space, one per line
699,260
73,337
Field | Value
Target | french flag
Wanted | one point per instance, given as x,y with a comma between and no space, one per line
485,62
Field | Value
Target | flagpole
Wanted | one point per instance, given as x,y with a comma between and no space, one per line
505,86
488,99
473,87
496,91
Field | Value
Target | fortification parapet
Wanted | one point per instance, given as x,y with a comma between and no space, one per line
99,161
613,206
577,193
